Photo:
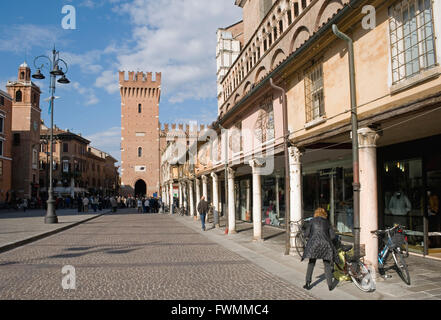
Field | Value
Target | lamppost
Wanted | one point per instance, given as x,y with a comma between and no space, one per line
55,71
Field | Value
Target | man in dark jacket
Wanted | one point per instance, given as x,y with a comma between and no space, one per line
320,235
203,209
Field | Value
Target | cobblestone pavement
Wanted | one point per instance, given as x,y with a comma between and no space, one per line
137,256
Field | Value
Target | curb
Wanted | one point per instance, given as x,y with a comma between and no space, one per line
20,243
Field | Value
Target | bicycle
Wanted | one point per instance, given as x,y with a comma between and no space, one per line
352,267
300,239
395,242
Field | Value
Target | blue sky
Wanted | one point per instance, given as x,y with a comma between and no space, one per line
175,37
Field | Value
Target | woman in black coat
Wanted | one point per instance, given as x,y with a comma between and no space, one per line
320,235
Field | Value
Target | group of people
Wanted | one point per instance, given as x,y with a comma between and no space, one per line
148,204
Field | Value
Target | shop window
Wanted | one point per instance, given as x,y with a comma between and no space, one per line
314,96
411,38
403,196
34,158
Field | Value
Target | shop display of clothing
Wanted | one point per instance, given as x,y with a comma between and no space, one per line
399,204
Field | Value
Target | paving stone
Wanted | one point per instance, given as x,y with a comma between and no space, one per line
134,256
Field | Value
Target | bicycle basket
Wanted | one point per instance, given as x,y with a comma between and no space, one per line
398,239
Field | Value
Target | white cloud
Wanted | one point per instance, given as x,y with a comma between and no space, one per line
87,93
108,141
177,38
23,37
108,80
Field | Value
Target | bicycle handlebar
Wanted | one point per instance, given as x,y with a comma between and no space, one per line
388,229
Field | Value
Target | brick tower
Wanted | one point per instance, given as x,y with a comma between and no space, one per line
26,133
140,129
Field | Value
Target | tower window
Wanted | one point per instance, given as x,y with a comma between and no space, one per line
139,108
22,74
18,96
139,152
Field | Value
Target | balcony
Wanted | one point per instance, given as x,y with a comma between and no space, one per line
285,28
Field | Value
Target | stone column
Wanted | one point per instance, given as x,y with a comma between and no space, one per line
190,190
180,194
171,197
215,199
231,203
198,197
257,202
295,182
185,194
205,187
368,193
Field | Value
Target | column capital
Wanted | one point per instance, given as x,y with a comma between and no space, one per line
231,173
367,138
294,155
204,179
214,176
256,163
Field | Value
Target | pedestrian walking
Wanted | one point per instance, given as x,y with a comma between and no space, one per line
86,204
147,205
139,205
25,204
203,209
113,203
320,235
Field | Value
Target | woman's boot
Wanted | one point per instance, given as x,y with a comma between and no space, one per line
307,286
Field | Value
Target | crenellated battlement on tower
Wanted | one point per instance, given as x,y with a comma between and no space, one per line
139,77
179,128
140,85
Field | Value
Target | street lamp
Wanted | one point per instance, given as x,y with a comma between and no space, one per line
55,71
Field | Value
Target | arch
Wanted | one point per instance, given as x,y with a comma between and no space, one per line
18,96
328,9
140,188
247,87
278,56
259,74
236,98
300,36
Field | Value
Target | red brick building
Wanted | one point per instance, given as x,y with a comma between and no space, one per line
140,133
5,146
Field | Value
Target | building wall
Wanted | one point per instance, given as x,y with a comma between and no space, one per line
140,129
26,123
6,137
375,92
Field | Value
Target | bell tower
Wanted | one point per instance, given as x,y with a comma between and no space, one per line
140,131
25,133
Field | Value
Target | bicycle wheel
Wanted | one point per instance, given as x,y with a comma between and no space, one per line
401,266
300,244
361,276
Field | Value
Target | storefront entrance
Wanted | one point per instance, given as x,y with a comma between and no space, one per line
409,191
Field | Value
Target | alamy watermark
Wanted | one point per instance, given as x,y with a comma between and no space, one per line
68,282
69,21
